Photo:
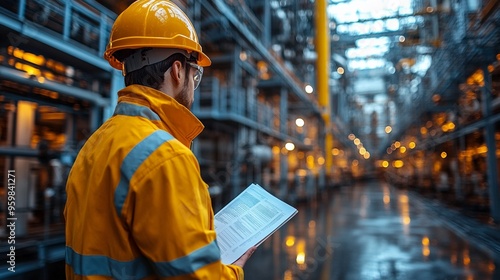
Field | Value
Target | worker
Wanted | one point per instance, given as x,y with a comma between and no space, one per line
137,207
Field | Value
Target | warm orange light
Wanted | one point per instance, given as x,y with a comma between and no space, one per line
243,56
426,251
444,154
397,144
310,162
482,149
301,252
33,58
321,160
412,145
265,76
476,79
32,71
388,129
302,172
263,70
398,163
425,241
436,98
312,224
491,267
290,241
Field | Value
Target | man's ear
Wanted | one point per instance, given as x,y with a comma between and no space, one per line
176,73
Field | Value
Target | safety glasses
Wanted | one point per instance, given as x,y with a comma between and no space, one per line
198,75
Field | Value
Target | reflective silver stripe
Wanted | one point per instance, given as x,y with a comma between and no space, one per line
129,109
190,263
88,265
133,160
138,268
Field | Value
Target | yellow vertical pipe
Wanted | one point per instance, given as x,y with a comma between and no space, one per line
322,76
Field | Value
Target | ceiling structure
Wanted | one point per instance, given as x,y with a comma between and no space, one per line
405,60
390,58
375,40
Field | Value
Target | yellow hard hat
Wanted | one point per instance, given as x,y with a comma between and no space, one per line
153,24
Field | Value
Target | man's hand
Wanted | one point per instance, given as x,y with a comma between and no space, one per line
243,259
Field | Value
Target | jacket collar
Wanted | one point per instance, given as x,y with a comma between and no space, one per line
171,115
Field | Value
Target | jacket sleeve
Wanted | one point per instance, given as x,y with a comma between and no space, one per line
170,217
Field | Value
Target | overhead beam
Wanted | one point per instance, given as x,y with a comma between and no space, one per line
351,39
81,94
34,32
416,14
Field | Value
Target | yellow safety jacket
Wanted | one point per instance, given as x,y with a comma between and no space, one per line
137,207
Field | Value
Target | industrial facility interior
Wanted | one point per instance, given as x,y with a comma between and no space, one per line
379,120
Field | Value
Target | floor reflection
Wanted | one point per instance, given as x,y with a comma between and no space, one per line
367,231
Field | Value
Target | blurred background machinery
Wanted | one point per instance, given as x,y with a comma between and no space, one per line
302,96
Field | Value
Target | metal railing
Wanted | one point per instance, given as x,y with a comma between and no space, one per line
84,21
214,100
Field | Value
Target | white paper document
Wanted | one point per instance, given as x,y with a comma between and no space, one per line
248,220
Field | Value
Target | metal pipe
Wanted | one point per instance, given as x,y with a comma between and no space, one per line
322,76
67,19
22,10
491,158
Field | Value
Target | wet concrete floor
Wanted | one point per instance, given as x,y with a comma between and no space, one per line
369,231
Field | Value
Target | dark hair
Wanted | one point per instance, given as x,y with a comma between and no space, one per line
152,75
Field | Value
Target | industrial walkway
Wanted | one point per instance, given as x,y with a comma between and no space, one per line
374,231
367,231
